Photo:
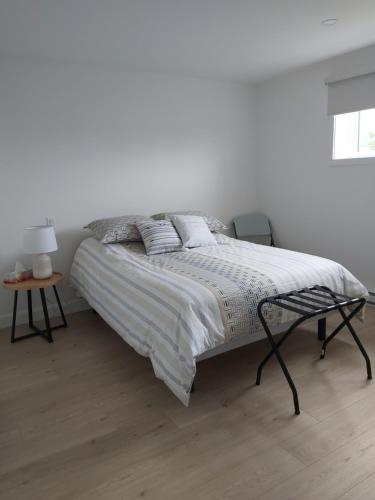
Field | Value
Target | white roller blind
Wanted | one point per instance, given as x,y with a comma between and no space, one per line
352,94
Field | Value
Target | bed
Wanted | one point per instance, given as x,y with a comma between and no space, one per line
181,307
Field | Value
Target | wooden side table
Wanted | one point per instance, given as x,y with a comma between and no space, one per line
28,286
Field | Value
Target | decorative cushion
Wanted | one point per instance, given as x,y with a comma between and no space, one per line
116,229
213,223
193,231
159,236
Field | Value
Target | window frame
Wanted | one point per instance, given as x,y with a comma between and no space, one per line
364,160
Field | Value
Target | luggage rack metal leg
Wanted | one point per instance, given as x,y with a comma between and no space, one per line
322,326
307,298
346,322
275,350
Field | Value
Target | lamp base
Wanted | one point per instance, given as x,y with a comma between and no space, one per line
42,266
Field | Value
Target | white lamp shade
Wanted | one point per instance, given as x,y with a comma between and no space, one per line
39,239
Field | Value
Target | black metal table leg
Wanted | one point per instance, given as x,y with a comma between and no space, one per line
35,331
30,308
60,306
14,316
322,327
46,316
45,333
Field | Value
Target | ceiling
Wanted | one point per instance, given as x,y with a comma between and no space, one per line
244,40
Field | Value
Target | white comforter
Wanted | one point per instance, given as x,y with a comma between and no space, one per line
173,308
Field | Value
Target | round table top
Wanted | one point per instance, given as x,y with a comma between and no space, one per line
34,283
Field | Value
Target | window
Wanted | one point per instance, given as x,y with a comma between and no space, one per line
354,135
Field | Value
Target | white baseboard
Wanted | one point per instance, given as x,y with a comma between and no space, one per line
69,307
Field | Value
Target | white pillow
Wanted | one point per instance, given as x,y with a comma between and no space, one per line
193,231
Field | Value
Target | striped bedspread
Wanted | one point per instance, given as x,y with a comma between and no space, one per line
174,307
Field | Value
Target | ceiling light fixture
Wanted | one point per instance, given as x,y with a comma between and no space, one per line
329,22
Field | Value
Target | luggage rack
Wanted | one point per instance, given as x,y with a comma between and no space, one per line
310,302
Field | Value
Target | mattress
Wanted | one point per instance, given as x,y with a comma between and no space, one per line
175,307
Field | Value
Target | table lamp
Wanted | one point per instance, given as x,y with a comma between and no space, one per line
38,241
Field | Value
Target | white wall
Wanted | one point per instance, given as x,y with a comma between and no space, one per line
315,208
80,143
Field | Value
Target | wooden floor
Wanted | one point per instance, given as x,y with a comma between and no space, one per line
84,418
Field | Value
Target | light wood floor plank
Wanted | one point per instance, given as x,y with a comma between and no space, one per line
364,490
331,476
337,430
85,418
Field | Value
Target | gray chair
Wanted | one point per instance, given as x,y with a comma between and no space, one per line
253,227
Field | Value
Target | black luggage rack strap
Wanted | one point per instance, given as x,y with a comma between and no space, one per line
310,302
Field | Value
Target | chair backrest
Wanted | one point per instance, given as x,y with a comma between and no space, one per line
248,226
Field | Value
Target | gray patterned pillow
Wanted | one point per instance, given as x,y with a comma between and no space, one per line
213,223
116,229
159,236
